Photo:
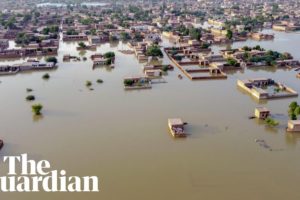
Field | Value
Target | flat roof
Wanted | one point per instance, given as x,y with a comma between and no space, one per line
262,109
294,122
175,121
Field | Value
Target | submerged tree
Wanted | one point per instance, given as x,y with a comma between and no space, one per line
30,98
128,82
294,110
82,45
29,90
271,122
51,59
88,83
37,108
99,81
46,76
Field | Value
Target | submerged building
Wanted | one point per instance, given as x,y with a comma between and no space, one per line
264,88
293,126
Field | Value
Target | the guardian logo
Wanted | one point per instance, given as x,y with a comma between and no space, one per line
38,176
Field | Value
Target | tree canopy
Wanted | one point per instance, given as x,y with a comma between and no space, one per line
154,50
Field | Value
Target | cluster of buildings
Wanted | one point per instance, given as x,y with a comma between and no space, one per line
101,60
287,26
262,113
189,59
192,26
29,65
32,50
257,56
189,22
36,33
151,74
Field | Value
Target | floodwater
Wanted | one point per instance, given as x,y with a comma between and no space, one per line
122,136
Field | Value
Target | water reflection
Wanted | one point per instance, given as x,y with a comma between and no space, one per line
82,53
37,118
292,138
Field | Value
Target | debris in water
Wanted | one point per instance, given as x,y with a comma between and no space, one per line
264,144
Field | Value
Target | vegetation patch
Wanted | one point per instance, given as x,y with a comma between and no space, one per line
294,110
271,122
82,45
128,82
88,83
52,59
30,98
99,81
46,76
29,90
37,108
154,50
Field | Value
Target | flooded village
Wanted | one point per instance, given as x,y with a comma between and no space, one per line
169,95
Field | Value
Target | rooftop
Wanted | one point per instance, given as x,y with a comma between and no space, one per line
262,109
294,122
175,121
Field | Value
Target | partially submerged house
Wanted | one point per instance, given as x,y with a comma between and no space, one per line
264,88
293,126
176,127
261,112
137,82
26,66
153,73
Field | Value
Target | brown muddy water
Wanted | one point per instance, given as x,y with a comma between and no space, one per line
122,136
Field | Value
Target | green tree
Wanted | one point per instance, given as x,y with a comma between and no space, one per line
46,31
88,83
232,62
195,34
125,36
99,81
109,54
93,31
297,111
293,116
293,105
71,32
37,108
154,50
82,45
271,122
30,98
128,82
229,34
46,76
294,110
11,23
52,59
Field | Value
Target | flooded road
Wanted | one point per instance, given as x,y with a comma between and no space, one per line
122,136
